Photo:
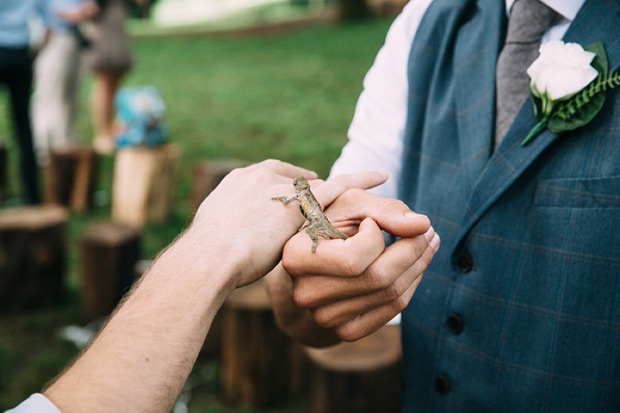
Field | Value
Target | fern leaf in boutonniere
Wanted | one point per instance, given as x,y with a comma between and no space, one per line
568,84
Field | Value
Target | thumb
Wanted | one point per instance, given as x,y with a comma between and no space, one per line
396,218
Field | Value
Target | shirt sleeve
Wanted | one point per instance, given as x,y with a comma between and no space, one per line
35,403
377,130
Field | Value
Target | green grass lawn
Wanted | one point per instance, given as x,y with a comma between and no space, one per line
287,96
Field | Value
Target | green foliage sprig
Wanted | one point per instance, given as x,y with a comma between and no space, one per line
572,106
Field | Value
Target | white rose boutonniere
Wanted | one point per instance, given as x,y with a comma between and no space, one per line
568,85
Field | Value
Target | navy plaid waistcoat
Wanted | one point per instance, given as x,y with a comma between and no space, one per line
520,308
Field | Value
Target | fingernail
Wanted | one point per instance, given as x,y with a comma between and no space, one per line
436,242
429,234
432,238
411,215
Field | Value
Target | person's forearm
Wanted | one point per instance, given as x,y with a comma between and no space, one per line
162,324
294,321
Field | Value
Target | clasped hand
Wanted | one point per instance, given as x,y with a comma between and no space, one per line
349,288
352,287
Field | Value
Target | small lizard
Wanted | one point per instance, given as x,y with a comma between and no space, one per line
311,209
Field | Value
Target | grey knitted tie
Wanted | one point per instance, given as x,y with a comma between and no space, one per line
528,21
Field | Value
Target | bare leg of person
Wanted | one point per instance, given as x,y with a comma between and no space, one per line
102,110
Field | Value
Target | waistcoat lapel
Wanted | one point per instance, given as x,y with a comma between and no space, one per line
597,20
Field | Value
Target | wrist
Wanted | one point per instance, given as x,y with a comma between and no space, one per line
207,268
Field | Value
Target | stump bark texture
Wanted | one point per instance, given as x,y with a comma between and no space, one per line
70,178
362,376
33,251
3,173
260,365
108,256
143,186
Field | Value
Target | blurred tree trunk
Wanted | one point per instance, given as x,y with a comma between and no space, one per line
353,10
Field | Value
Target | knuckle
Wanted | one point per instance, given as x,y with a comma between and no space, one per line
352,266
236,173
425,261
422,263
262,173
418,245
394,290
376,277
401,302
388,204
302,296
347,335
420,266
354,330
291,264
322,318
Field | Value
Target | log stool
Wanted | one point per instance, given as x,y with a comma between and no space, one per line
259,364
143,184
211,346
108,255
70,178
3,172
362,376
206,175
33,250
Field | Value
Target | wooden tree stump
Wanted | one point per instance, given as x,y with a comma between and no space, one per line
143,185
353,10
33,252
363,376
3,173
207,175
260,365
386,7
212,344
108,255
70,178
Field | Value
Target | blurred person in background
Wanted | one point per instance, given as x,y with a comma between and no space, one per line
16,75
109,59
57,70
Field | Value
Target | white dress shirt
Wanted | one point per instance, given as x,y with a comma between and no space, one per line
37,403
377,131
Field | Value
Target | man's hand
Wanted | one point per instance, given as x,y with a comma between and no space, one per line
353,287
247,228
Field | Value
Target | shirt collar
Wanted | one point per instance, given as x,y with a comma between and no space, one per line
566,8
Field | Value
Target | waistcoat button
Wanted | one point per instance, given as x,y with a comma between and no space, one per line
455,324
442,385
464,262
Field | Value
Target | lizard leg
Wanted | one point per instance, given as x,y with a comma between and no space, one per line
328,231
311,230
284,200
